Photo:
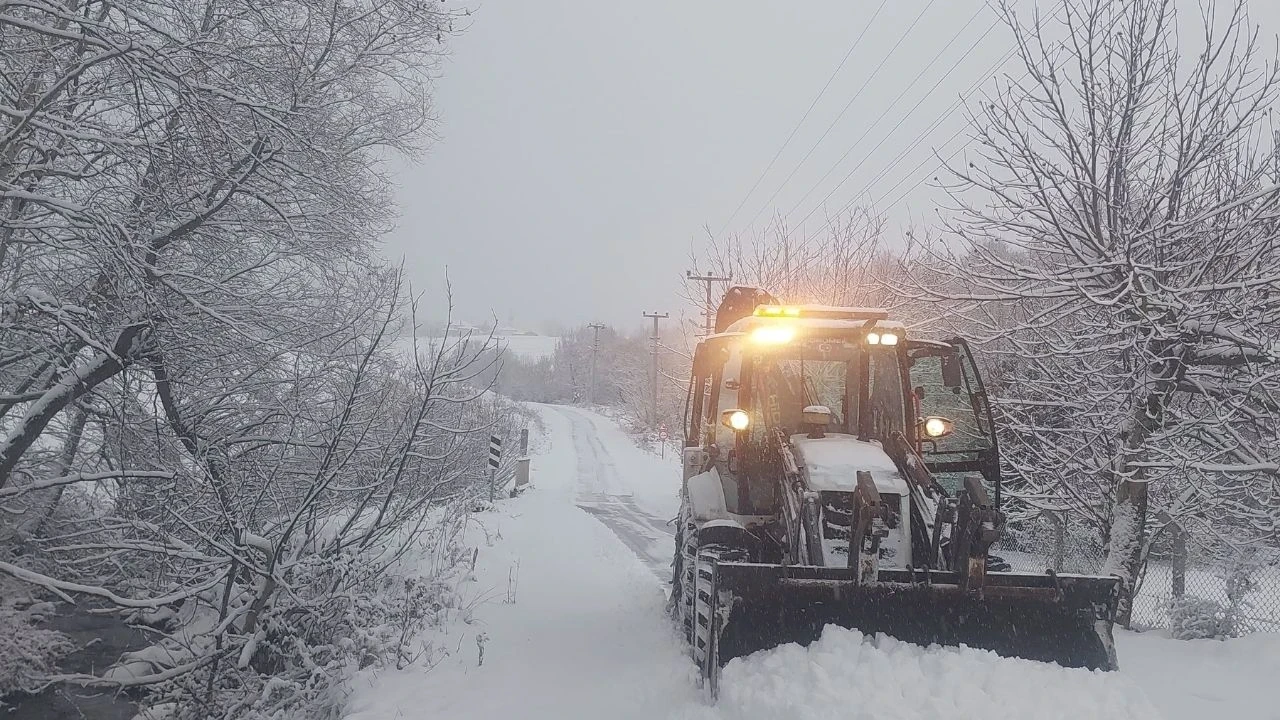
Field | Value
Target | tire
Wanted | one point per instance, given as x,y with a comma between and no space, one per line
686,564
706,612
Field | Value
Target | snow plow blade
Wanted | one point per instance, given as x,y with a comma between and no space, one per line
1057,618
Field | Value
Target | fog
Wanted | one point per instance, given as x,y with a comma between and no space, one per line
586,149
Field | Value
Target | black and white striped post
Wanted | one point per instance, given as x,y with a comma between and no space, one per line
495,458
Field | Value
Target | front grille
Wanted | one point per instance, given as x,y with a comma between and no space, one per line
837,514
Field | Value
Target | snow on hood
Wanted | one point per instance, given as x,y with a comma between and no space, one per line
832,463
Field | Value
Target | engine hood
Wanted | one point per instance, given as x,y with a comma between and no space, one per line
831,464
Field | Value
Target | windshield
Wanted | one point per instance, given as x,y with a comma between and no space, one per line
826,371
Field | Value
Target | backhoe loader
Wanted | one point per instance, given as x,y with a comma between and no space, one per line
839,471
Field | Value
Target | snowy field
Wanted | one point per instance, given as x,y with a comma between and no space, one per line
568,612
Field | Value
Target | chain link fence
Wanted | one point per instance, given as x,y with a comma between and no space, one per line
1184,575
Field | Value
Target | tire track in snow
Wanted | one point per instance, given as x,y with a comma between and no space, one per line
603,495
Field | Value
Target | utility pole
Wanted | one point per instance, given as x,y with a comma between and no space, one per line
653,366
595,346
708,279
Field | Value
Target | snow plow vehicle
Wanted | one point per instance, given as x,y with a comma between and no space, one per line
837,471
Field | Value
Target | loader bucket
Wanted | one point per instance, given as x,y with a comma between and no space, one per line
1063,619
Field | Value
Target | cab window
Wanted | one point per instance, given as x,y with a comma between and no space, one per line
944,384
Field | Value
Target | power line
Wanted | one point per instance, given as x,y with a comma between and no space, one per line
908,147
894,103
912,173
843,110
919,165
945,160
804,117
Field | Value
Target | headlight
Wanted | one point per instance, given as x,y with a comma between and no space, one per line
773,334
737,420
936,427
882,338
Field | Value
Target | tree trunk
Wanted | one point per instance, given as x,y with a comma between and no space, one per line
1124,552
65,461
73,383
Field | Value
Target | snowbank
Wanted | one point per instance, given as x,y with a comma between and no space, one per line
1197,679
848,675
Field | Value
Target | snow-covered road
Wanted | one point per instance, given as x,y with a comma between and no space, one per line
586,635
583,556
610,494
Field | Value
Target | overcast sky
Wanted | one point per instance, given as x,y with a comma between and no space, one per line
585,146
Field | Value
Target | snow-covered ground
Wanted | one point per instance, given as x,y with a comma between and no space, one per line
585,637
573,626
1205,679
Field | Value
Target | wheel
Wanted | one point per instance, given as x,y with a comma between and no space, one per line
682,572
707,615
704,615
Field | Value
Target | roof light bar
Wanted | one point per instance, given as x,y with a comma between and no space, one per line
773,334
776,311
826,312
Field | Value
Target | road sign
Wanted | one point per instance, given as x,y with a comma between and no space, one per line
662,432
495,451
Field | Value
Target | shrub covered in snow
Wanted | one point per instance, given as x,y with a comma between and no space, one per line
1197,618
27,653
341,612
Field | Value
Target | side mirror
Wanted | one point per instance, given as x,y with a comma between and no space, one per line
952,375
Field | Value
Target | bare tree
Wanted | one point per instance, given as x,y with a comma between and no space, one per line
837,265
201,410
267,503
174,165
1117,218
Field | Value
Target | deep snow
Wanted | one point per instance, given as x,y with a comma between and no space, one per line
847,675
586,636
1199,679
583,555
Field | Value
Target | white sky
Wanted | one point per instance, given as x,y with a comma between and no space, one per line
585,145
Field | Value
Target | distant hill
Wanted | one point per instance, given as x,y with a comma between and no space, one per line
522,343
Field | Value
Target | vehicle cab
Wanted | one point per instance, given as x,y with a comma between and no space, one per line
754,383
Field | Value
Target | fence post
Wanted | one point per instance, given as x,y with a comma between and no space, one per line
1177,554
1059,521
1179,561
